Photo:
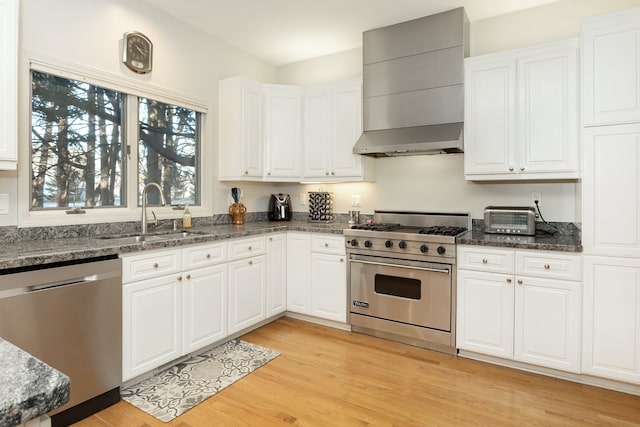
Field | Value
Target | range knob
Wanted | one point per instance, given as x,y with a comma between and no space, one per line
354,242
424,248
388,244
367,244
402,244
441,250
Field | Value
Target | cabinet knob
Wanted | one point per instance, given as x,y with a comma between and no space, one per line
179,278
519,281
326,245
484,260
208,255
510,168
268,173
333,173
188,276
271,239
521,168
326,172
250,248
547,266
250,262
155,265
508,280
341,259
246,172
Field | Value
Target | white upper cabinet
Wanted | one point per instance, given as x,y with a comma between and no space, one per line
521,114
611,190
611,63
332,125
240,154
282,133
8,84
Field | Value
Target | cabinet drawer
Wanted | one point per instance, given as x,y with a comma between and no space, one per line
483,259
549,264
327,244
204,255
150,264
243,248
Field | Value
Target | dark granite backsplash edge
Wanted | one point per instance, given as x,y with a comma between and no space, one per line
9,234
550,227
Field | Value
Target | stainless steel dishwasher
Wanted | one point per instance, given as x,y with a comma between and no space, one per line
69,315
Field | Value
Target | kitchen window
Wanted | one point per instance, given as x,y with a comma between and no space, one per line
95,146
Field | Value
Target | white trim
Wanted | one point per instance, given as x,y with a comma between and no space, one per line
27,218
61,68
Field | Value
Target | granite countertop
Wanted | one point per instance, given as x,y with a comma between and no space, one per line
546,242
35,252
28,387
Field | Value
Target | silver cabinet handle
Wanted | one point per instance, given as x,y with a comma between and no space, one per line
326,245
326,173
271,239
246,172
341,259
519,281
510,168
250,248
250,262
188,276
179,278
333,173
521,168
508,280
208,255
484,260
155,265
547,266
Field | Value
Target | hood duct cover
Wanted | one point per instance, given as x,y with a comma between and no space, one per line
413,92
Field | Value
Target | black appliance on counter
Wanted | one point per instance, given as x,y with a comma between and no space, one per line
279,207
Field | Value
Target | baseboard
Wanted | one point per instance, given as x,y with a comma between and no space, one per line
86,408
319,321
577,378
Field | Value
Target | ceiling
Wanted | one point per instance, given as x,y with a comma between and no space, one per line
285,31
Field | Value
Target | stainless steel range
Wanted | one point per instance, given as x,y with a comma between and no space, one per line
402,277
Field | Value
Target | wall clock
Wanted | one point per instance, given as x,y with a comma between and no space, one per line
137,52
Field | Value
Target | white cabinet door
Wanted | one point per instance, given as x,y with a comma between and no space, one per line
548,110
611,64
346,116
548,322
247,287
152,324
329,286
490,116
611,190
282,131
521,114
299,272
611,338
240,139
8,84
485,313
317,133
276,274
204,307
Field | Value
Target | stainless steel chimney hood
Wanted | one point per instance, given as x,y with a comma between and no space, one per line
413,93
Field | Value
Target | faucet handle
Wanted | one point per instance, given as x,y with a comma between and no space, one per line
153,221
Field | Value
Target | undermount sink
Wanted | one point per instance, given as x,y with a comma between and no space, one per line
138,238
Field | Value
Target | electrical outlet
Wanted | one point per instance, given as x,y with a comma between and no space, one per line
355,201
303,198
536,195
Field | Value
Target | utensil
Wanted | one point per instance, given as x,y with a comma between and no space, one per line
234,194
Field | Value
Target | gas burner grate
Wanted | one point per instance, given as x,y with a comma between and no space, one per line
443,230
376,227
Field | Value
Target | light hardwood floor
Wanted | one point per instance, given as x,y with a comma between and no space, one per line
329,377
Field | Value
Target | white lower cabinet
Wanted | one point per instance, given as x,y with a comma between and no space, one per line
247,282
611,337
174,302
276,274
520,305
316,275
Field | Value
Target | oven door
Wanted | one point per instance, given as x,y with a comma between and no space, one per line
412,292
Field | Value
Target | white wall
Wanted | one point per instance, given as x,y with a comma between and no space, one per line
436,183
186,61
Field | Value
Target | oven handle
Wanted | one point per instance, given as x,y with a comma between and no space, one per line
384,264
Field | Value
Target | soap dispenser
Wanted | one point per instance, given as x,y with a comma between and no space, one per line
186,218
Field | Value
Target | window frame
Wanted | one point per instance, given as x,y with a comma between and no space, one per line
132,89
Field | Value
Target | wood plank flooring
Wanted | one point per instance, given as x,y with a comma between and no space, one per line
329,377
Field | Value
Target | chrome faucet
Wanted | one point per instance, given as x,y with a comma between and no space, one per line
143,224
